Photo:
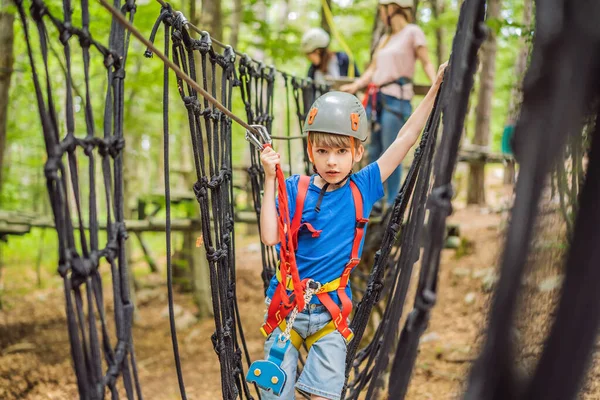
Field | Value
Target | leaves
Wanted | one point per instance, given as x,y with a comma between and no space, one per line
270,30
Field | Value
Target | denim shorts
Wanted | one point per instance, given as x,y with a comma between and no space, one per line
324,371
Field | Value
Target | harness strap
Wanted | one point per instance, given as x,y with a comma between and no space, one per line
372,90
303,184
327,287
278,312
340,315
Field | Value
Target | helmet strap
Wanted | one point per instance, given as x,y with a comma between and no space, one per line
326,186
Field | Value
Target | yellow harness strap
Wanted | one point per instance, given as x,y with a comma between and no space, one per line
295,337
327,287
297,340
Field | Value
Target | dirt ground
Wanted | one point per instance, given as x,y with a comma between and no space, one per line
35,356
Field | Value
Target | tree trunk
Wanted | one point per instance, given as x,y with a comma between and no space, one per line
437,9
476,189
6,65
517,92
210,18
236,20
194,253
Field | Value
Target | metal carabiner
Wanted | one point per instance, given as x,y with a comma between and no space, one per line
263,140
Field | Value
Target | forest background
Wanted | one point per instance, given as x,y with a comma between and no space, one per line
268,30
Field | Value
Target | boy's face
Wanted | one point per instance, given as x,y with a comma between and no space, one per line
335,163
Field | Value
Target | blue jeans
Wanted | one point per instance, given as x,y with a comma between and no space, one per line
324,371
392,114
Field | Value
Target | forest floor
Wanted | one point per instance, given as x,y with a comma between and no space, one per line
35,360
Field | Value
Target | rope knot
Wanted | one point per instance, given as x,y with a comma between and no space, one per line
129,6
441,197
176,37
423,304
115,145
85,39
216,114
192,104
205,44
109,59
38,9
200,189
179,21
94,260
51,168
81,267
65,33
215,182
215,342
69,144
207,113
229,55
63,269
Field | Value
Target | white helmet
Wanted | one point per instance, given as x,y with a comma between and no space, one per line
401,3
315,38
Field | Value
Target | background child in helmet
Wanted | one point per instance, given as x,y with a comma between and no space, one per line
335,133
324,62
391,70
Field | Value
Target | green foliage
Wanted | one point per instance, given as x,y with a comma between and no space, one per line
270,30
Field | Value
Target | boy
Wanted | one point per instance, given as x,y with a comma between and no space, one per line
334,206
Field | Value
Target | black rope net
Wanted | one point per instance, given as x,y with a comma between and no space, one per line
210,131
211,138
557,98
98,361
98,364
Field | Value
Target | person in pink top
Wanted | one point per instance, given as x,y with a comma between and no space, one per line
389,80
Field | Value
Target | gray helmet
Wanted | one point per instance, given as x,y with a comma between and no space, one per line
339,113
315,38
401,3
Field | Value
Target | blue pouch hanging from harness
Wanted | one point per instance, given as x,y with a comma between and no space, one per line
267,374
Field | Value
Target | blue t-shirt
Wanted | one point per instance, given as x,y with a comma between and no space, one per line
323,258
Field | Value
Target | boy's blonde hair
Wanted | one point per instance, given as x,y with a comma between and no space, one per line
333,140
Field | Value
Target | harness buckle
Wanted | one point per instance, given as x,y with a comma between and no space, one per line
360,223
311,284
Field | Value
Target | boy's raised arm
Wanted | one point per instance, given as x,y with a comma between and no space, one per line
269,229
411,130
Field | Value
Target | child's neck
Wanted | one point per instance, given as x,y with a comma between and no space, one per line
320,182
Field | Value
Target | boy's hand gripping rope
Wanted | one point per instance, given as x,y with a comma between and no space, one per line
287,252
268,374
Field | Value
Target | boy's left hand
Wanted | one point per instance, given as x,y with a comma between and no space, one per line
441,72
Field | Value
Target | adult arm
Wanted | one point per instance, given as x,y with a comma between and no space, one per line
423,56
361,82
408,135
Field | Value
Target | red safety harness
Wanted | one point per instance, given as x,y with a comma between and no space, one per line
282,304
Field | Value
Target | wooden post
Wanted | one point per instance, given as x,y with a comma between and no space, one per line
195,255
476,187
